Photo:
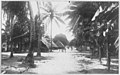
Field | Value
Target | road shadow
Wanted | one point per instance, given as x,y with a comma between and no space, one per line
73,72
94,71
115,61
102,71
43,58
78,72
113,66
16,62
85,61
11,61
16,72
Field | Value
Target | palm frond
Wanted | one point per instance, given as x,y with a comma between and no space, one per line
75,25
73,19
45,17
20,35
57,23
59,14
72,14
115,43
58,18
112,14
44,9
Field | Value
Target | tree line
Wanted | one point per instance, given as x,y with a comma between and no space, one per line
92,23
95,24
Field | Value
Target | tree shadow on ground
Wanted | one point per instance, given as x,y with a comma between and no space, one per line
85,61
3,56
37,59
16,72
102,71
43,58
79,72
115,61
17,61
94,71
87,54
73,72
11,61
113,66
29,73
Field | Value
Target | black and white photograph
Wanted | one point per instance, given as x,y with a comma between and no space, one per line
59,37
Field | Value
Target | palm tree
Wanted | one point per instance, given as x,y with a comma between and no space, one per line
38,25
105,21
50,15
29,58
81,14
13,11
109,25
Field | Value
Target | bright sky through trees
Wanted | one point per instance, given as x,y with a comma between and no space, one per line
60,7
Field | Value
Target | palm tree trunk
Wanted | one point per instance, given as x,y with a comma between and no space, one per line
108,56
11,54
11,17
39,50
39,34
99,49
7,44
51,36
92,52
29,58
18,46
39,44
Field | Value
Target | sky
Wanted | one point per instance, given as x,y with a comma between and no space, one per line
55,28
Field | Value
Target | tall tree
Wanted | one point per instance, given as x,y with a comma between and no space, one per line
81,14
51,14
29,58
109,23
105,16
13,9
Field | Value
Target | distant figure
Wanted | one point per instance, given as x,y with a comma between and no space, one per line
67,47
71,48
63,49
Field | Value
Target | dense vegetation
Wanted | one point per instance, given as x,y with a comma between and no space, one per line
94,24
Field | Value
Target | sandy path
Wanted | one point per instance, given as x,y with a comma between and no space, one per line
61,63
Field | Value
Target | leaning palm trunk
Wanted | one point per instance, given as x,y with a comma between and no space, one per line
29,58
